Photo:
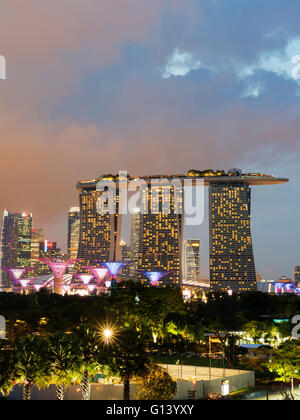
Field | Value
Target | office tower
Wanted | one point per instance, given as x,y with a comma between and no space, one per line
297,275
99,233
135,241
37,238
73,231
231,254
191,261
16,242
160,236
126,257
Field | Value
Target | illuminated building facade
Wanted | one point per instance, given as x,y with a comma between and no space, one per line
99,238
73,231
37,238
16,233
297,275
231,254
191,261
160,236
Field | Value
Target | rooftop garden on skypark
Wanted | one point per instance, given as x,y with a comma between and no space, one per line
221,172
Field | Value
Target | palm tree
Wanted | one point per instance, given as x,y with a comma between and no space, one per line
6,372
90,353
128,357
64,361
31,362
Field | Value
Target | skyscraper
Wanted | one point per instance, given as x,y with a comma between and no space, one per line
99,233
73,231
37,238
231,254
191,261
160,236
297,275
16,242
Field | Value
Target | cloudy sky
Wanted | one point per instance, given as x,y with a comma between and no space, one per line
156,86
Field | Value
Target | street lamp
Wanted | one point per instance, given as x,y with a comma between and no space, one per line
107,334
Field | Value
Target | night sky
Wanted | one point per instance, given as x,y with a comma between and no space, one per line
152,86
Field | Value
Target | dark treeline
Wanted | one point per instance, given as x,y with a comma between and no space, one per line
155,311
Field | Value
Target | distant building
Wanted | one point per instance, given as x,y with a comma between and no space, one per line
191,261
16,234
297,274
73,231
127,258
285,279
37,238
258,277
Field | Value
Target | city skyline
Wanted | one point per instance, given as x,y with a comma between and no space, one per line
158,91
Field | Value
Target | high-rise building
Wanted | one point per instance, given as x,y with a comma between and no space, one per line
73,231
37,238
231,254
135,241
16,242
126,258
99,233
156,237
297,274
160,236
191,261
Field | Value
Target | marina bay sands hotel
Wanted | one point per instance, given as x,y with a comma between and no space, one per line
157,237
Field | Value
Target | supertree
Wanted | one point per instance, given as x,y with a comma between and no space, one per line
17,274
100,273
85,278
58,268
155,276
114,268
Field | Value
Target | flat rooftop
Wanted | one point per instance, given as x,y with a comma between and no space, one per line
248,179
187,372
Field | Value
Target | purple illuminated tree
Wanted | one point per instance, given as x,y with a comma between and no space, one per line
85,278
58,268
155,276
99,272
17,274
114,268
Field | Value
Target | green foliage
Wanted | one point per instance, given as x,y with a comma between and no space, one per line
285,362
7,372
32,363
155,384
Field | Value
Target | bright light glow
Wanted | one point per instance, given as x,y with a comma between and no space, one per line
91,288
24,282
155,276
108,284
107,333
